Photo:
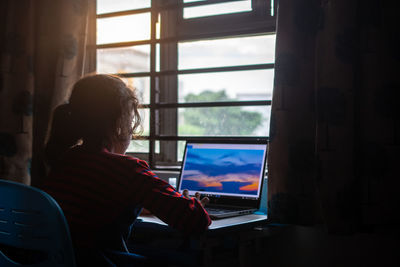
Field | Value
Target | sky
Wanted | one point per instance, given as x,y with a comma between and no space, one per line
223,170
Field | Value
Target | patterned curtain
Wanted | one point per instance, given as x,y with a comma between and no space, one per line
335,122
44,49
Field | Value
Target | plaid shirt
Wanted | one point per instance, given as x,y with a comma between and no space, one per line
102,193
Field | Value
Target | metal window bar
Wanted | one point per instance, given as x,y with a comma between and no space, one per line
200,70
154,16
154,10
158,8
198,138
208,104
233,33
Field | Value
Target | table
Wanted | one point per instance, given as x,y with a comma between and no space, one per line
228,241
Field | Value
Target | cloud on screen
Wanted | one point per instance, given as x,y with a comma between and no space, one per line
235,171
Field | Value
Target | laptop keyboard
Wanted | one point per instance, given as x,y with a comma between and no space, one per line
217,210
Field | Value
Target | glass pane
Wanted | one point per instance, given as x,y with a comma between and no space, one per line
142,146
145,116
158,57
124,59
224,121
158,27
226,86
142,85
181,150
138,146
227,52
108,6
168,156
123,28
216,9
272,13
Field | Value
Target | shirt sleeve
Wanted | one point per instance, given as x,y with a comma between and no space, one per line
160,198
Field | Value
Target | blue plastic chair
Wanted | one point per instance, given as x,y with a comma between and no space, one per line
31,220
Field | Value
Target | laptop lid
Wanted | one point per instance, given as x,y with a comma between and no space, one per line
228,173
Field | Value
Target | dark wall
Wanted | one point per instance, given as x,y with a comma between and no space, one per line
313,246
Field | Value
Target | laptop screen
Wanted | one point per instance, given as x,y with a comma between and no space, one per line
224,172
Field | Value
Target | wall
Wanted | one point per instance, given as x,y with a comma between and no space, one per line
313,246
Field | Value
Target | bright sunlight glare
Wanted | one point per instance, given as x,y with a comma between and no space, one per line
123,29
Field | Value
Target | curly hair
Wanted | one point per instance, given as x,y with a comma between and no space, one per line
102,109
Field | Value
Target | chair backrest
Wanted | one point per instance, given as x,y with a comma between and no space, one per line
31,220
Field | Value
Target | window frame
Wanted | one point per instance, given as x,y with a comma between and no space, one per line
175,29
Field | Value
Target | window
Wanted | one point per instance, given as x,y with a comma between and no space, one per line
202,69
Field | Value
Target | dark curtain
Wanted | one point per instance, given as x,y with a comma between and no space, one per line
334,138
44,49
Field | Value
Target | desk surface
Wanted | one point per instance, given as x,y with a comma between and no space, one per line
229,237
233,222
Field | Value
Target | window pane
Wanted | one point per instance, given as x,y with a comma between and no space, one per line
224,121
216,9
124,59
145,116
138,146
227,52
108,6
226,86
123,28
142,87
158,57
142,146
181,150
272,13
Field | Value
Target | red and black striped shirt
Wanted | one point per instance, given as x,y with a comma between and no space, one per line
94,191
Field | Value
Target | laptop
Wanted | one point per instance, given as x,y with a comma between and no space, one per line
230,174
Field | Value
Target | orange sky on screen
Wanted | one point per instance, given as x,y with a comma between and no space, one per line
250,187
213,184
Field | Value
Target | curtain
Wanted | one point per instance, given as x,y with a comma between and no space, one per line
44,48
335,122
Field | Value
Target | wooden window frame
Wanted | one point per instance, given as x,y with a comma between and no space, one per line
164,81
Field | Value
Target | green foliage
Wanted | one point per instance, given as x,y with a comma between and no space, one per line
207,96
217,120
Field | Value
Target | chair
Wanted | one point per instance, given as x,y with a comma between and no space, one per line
33,224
